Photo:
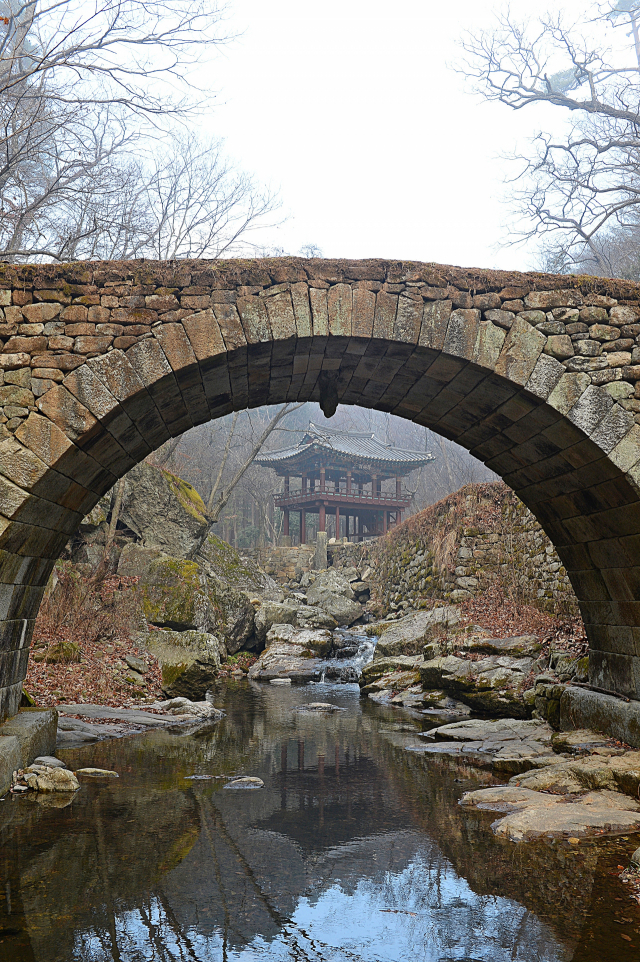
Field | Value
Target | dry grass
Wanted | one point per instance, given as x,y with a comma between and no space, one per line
97,617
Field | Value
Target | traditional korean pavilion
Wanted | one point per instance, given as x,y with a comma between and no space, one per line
347,476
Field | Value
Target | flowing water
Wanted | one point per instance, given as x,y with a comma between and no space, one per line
356,850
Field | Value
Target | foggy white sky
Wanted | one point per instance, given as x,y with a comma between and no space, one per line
352,109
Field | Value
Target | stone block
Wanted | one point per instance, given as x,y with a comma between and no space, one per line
319,311
364,306
408,319
522,348
581,709
339,309
385,314
12,362
41,313
281,317
590,409
435,318
545,300
301,308
461,334
67,413
559,346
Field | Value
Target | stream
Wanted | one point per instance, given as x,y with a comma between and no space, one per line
355,850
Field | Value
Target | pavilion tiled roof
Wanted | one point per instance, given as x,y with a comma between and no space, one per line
360,446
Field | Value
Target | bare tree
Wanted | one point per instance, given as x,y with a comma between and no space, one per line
572,189
95,157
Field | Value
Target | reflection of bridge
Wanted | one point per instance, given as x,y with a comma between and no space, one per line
108,361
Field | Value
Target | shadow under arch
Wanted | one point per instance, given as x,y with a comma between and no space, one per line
560,442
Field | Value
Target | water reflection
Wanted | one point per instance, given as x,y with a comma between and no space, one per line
355,850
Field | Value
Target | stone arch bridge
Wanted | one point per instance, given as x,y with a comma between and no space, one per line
536,375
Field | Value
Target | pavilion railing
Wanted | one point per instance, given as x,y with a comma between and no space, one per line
365,499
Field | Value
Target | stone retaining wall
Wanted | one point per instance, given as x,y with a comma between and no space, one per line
468,541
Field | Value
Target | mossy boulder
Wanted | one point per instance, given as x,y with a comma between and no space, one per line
189,661
178,594
163,511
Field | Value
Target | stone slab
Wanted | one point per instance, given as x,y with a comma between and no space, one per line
581,708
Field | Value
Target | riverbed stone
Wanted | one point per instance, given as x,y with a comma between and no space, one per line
409,635
291,652
189,661
492,684
535,815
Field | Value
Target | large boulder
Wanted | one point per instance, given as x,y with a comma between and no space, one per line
408,636
291,653
189,661
492,684
332,592
274,613
290,613
178,594
223,562
163,511
329,582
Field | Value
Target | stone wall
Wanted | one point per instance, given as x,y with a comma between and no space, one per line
55,318
457,548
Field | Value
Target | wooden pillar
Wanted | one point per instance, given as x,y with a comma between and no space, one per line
398,486
286,485
322,481
337,523
303,527
304,484
322,519
374,486
349,482
285,524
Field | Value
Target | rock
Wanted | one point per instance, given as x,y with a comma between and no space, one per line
535,815
223,563
136,559
520,646
137,664
494,684
184,706
44,778
280,681
593,772
291,653
345,676
97,773
504,746
309,617
163,511
49,761
189,661
329,582
407,636
245,782
385,666
581,740
273,613
341,609
319,706
635,859
179,594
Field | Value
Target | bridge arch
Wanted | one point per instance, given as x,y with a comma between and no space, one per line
534,374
